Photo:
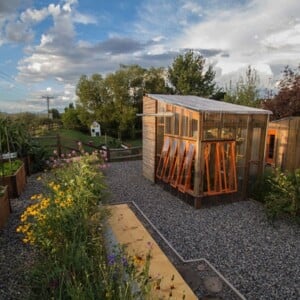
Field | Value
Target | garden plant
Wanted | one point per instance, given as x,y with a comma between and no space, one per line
280,192
66,226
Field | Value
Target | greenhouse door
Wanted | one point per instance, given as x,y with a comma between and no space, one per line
219,168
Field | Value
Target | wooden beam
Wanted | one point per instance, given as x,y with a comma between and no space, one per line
159,114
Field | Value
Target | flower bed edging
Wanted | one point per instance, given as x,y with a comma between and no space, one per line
4,208
16,182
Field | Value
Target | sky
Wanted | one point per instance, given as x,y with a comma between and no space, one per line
46,45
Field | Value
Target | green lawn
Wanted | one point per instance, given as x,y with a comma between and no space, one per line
69,139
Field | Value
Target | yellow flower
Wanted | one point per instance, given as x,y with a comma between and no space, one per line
138,260
39,178
24,217
33,197
51,184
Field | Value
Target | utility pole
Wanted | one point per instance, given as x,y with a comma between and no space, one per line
48,99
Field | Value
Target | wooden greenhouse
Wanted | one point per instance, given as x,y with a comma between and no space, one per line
283,144
202,147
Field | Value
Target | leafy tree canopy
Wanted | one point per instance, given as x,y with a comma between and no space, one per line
70,119
189,77
114,100
55,113
245,92
287,101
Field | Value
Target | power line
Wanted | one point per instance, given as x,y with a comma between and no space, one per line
5,77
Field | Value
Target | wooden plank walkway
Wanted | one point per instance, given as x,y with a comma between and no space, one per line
128,230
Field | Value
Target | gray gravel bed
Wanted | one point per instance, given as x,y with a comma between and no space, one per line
15,256
260,259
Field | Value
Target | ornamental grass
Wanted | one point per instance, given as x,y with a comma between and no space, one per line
66,225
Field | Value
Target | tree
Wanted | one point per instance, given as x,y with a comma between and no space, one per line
125,88
70,119
245,92
154,81
71,106
55,113
287,102
94,101
91,92
113,101
188,76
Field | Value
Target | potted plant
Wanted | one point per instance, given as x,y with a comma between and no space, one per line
5,208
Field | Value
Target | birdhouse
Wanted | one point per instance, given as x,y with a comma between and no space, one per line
95,129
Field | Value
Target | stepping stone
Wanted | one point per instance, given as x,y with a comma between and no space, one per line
190,276
201,267
213,284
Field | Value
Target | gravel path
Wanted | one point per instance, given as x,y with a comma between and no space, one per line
260,259
15,256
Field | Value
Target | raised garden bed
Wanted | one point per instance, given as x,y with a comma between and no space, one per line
4,206
27,164
15,182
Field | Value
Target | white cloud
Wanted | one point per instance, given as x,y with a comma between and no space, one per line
283,39
54,10
261,33
17,32
84,19
7,7
230,34
193,7
34,15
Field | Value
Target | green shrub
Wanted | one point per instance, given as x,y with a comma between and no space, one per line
283,195
262,186
38,155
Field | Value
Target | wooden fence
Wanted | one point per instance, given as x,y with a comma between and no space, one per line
64,146
122,154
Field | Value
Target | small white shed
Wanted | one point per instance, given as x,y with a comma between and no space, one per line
95,129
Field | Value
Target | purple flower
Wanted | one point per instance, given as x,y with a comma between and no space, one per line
124,261
111,259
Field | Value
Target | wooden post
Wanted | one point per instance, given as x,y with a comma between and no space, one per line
247,156
58,145
197,166
107,154
197,202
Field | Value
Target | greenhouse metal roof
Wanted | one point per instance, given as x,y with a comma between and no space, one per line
207,105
